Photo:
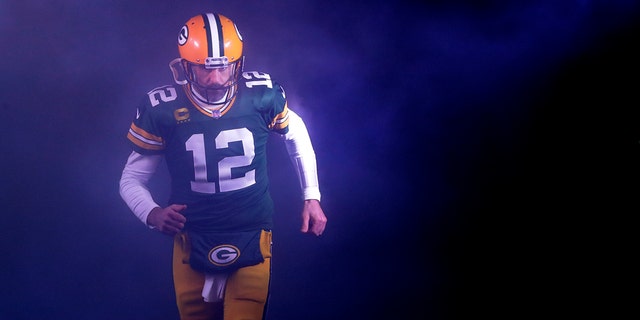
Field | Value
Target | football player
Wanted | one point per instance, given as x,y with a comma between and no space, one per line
211,128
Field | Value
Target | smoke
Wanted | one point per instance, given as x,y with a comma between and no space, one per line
400,101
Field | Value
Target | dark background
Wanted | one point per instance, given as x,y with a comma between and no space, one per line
476,158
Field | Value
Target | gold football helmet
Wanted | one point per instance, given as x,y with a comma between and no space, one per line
209,43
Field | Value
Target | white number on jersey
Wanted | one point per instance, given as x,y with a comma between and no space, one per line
257,79
166,94
196,144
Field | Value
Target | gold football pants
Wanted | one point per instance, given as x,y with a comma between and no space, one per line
245,294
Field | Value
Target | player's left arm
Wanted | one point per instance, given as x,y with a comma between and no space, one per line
303,157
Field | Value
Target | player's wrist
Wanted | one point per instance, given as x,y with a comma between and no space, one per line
151,217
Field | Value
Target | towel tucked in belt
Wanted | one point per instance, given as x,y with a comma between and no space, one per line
214,285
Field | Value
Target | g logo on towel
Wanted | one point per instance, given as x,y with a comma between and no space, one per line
224,255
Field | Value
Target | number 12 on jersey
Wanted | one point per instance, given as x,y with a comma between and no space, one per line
197,145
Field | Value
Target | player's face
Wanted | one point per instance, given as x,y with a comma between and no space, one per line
213,80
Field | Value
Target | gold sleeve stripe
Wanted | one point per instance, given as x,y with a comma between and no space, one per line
144,139
142,144
281,120
145,135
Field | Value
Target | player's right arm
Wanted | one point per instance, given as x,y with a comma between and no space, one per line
135,193
133,184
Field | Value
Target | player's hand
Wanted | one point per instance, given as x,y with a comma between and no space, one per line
167,220
313,218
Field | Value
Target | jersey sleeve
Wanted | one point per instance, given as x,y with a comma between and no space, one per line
144,132
277,110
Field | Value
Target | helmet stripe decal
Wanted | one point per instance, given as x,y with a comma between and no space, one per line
220,37
214,34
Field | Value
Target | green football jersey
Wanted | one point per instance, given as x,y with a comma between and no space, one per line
217,161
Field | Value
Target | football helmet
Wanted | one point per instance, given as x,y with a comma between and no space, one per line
211,58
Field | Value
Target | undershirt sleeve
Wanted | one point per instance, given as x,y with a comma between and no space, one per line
133,184
302,155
